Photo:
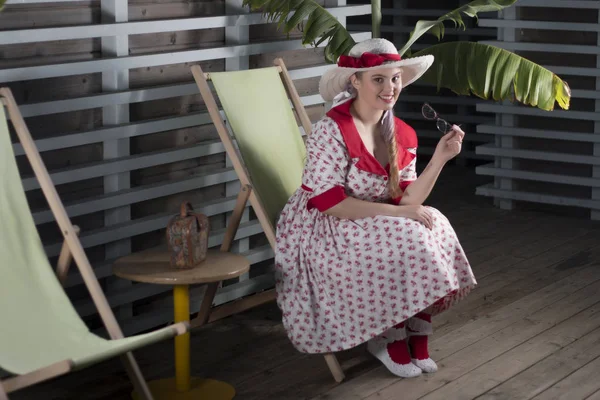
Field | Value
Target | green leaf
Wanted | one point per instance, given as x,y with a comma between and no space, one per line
316,23
437,28
490,72
2,4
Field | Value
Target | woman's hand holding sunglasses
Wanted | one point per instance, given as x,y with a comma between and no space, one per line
450,144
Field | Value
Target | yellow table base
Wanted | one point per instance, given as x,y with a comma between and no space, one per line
183,386
200,389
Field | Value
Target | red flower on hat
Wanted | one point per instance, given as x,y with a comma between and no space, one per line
367,60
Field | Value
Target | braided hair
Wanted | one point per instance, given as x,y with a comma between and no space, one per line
388,134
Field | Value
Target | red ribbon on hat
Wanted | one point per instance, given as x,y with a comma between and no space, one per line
367,60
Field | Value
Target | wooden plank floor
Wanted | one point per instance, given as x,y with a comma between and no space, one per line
530,330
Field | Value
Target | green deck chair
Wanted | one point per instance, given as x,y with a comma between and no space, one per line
258,111
41,334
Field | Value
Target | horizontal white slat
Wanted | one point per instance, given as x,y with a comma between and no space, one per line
450,118
468,154
310,100
424,12
414,12
245,288
105,99
433,100
151,60
42,1
310,72
550,25
141,225
140,291
138,194
159,317
576,71
557,69
104,268
138,95
585,94
450,31
121,297
491,170
117,132
130,130
469,137
533,111
544,47
539,133
589,4
154,26
490,149
489,190
124,164
151,223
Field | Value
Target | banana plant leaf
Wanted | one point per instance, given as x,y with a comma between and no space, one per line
491,72
437,28
320,25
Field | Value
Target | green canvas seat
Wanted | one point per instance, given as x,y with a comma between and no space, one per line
271,158
42,334
266,132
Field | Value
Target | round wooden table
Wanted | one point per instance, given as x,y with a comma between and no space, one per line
153,266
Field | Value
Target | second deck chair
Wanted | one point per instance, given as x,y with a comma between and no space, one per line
260,116
41,334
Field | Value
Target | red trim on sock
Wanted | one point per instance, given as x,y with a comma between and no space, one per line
423,316
398,352
418,347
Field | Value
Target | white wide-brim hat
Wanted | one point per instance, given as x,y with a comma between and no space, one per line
377,53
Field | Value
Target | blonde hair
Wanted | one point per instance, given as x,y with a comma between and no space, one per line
388,134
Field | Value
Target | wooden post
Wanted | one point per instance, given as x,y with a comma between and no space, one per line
342,20
595,214
116,46
237,35
506,142
3,395
375,18
399,39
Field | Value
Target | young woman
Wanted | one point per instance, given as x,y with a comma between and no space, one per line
359,258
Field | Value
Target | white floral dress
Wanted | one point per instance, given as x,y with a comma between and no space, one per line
339,282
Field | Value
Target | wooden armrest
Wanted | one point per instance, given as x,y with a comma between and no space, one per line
64,260
181,328
37,376
236,217
3,395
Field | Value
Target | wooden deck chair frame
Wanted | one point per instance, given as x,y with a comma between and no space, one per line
72,249
246,193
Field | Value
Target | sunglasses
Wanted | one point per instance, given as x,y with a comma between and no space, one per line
432,115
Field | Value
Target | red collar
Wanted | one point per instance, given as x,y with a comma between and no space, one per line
406,137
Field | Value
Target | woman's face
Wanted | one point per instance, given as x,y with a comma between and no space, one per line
380,88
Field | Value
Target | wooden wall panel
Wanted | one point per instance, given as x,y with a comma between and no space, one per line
140,306
540,175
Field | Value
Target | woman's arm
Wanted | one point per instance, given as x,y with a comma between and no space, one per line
448,147
417,192
352,208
